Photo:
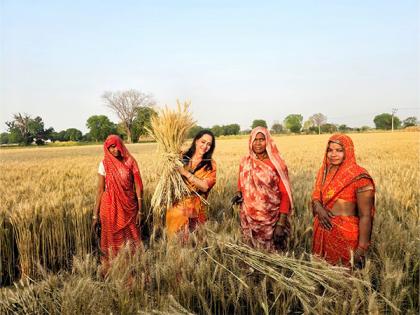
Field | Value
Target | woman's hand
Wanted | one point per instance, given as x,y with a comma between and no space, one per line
183,172
359,258
95,222
237,198
280,235
138,219
324,216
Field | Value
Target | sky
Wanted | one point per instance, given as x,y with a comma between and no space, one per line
236,61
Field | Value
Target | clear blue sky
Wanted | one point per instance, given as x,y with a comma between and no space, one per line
235,60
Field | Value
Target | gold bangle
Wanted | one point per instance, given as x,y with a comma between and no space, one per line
94,217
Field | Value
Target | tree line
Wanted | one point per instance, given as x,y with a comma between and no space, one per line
135,110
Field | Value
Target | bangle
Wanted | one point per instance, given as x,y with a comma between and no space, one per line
94,217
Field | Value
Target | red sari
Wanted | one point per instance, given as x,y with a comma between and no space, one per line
344,183
265,191
119,203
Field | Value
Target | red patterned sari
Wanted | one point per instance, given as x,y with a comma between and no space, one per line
119,205
337,244
265,191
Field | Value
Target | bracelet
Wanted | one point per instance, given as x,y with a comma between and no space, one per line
94,217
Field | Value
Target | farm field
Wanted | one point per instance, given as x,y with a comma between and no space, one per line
47,197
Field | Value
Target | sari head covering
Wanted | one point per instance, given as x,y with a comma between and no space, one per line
328,188
119,204
260,191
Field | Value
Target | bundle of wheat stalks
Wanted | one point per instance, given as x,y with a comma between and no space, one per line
170,129
310,281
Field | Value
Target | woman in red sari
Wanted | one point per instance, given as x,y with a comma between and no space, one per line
343,205
118,201
264,192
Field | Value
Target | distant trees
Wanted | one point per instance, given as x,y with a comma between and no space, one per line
328,128
276,128
410,121
100,127
293,122
126,105
142,121
259,123
318,120
194,130
24,129
226,130
384,121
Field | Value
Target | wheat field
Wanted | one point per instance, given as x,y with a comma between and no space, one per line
47,265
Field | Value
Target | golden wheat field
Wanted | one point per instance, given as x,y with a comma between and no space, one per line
47,197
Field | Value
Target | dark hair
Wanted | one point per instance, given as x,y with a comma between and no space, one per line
206,162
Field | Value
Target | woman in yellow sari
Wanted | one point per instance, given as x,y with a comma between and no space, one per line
199,172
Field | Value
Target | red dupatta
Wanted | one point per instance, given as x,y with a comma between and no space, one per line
120,173
328,188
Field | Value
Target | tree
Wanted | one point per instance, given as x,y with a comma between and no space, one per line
74,134
343,128
259,123
328,128
307,125
100,127
194,130
126,104
384,121
24,129
276,128
142,121
318,120
217,130
293,122
232,129
4,138
410,121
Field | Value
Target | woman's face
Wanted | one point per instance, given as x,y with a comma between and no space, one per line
335,154
113,150
203,144
259,144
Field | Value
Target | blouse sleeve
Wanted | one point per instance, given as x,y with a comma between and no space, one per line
364,184
285,201
101,169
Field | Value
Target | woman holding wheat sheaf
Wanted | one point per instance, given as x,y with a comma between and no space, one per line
264,193
199,172
118,202
343,205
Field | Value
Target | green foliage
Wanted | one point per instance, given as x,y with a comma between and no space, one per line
410,121
384,121
276,128
259,123
24,129
141,122
293,122
73,134
193,131
100,127
226,130
4,138
328,128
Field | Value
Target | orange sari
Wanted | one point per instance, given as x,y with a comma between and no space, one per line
184,217
265,191
119,205
344,183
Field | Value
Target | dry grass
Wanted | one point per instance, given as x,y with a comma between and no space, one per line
170,129
47,196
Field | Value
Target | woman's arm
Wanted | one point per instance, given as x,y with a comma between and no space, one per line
365,204
139,195
100,190
201,184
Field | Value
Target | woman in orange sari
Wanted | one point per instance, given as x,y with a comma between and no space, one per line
265,193
118,201
199,172
343,205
